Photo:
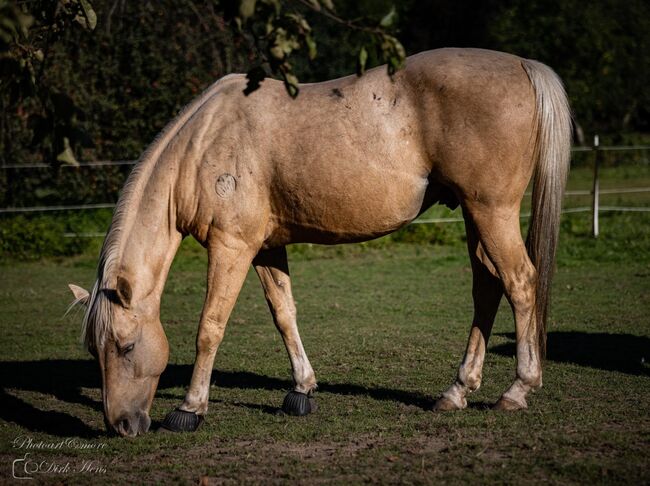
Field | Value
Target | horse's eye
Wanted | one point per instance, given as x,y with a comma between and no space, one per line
126,349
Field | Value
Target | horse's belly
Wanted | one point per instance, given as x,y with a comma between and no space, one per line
349,207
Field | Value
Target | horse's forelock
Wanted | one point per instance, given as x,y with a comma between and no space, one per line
98,320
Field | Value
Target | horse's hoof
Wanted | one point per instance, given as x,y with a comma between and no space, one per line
298,404
181,421
506,405
445,405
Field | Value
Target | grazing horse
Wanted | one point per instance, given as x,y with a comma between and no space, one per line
347,161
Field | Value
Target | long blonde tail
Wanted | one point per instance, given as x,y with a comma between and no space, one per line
552,153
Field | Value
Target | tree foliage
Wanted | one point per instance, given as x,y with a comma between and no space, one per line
93,79
599,48
26,36
277,30
98,79
42,56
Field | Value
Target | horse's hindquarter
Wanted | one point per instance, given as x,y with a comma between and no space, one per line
480,108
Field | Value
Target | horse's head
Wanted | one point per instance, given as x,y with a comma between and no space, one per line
125,335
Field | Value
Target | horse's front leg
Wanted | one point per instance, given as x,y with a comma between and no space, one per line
487,290
273,269
228,263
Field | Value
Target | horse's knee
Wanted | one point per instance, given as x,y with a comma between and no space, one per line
209,338
285,315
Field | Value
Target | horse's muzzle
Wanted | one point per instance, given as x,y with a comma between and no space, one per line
130,425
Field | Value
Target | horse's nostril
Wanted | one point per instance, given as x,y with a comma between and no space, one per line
125,424
130,425
144,422
124,427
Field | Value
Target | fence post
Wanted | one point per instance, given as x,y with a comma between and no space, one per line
596,188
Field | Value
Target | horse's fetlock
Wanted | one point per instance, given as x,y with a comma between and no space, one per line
306,388
200,407
530,377
534,381
473,385
470,381
456,394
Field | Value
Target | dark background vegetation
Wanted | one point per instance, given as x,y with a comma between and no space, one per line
110,90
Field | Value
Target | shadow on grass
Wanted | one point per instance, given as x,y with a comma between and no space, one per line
64,380
624,353
179,375
61,378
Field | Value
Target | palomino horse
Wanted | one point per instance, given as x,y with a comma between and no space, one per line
348,160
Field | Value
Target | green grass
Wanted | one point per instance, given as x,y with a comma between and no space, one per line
385,327
384,324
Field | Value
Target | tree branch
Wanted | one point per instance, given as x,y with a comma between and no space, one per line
347,23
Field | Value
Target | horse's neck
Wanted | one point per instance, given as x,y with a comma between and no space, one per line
148,237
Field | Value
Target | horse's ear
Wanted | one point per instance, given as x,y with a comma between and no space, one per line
80,295
123,290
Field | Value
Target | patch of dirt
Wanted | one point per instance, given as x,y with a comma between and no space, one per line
272,461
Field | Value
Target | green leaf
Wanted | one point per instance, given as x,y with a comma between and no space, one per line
67,156
284,44
400,52
43,192
362,60
291,84
389,18
89,13
328,4
311,46
315,4
393,53
246,9
13,22
300,21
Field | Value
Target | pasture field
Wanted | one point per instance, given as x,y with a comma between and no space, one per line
385,327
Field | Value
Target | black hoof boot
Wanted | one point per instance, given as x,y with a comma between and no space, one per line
298,404
181,421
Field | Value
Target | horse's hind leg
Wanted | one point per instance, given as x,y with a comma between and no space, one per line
500,235
273,269
228,262
486,292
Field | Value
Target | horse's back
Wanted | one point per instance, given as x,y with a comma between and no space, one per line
358,157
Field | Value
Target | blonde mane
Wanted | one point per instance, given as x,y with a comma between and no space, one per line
98,318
